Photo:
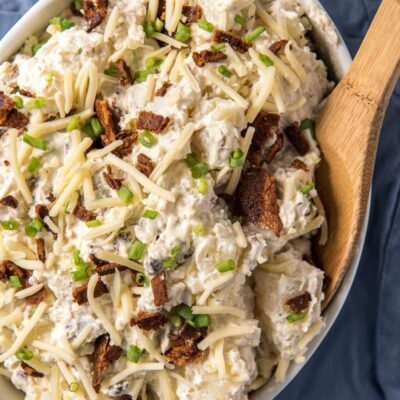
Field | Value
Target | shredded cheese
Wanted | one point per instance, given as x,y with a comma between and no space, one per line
212,286
133,369
13,318
18,176
280,373
168,63
190,78
104,229
268,20
55,383
237,312
108,326
165,384
268,106
49,222
162,51
150,87
148,345
69,378
21,294
60,103
235,177
176,147
115,258
23,334
108,202
277,96
152,10
226,88
176,16
219,358
169,11
228,331
141,178
105,150
294,62
239,235
111,24
169,40
236,62
85,381
314,329
68,91
82,336
57,352
76,155
31,265
92,88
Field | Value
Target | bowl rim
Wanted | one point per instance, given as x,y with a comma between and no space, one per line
33,20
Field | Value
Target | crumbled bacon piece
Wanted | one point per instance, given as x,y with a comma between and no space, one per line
51,198
31,371
8,268
26,93
9,201
257,197
36,298
42,212
128,138
126,397
277,46
266,127
124,73
326,283
95,12
10,117
206,56
79,294
144,164
192,13
160,289
236,43
163,89
149,121
108,269
104,112
298,164
104,354
41,250
161,12
149,321
114,183
297,138
299,303
96,261
83,214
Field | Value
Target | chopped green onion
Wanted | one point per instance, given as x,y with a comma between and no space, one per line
225,266
24,355
158,25
237,158
49,77
192,159
62,22
39,102
78,260
296,317
266,60
112,71
199,229
125,194
93,224
307,188
176,250
19,103
136,251
36,143
134,354
151,214
182,33
142,280
175,320
147,139
253,35
202,186
77,5
240,20
149,29
219,47
33,165
34,227
307,123
16,282
202,320
199,170
185,312
10,225
36,47
73,123
224,71
153,62
96,126
73,387
88,130
205,25
169,262
80,274
141,76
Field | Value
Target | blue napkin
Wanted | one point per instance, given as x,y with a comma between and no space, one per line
360,357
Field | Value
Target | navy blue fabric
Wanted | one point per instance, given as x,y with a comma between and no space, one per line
360,357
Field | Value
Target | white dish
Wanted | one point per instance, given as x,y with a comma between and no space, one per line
340,61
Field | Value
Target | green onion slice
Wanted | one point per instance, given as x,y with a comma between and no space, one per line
36,47
93,224
185,312
142,280
158,25
147,139
182,33
73,123
134,354
202,186
62,22
199,229
34,142
141,76
199,170
292,318
175,320
10,225
125,194
225,266
96,126
202,320
151,214
237,158
240,20
308,123
205,25
192,159
253,35
24,354
137,250
34,165
15,282
34,227
39,102
307,188
80,274
73,387
153,62
169,262
19,103
112,71
266,60
223,70
149,29
218,47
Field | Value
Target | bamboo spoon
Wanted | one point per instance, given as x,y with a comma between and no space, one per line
348,131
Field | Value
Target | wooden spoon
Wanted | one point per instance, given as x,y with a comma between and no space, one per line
348,131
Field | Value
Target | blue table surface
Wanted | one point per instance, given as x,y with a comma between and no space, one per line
360,357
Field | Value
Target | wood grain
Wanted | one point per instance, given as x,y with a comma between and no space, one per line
348,130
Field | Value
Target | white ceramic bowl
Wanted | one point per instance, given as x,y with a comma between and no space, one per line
339,60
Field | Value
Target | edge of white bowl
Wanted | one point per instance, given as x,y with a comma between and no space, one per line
35,19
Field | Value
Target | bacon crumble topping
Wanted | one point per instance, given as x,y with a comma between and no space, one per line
235,42
144,164
83,214
79,294
192,13
10,117
9,201
124,73
149,321
94,12
163,89
299,303
28,370
297,138
160,289
206,56
149,121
